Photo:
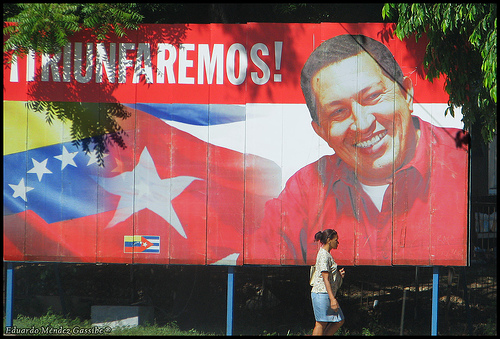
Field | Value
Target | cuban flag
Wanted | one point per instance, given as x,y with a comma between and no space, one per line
196,176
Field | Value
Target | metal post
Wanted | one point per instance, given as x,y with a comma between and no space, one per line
466,299
417,289
435,300
230,298
9,294
403,313
62,298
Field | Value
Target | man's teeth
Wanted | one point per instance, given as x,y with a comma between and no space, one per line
371,142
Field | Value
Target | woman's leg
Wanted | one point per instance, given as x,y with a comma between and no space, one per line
332,328
319,328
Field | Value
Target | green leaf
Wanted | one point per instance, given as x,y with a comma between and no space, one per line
462,46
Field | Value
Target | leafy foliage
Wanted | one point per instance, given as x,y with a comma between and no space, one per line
104,18
45,27
462,46
91,123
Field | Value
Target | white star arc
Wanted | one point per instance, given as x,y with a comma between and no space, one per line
39,168
20,190
66,158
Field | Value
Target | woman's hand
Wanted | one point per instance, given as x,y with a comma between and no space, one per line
334,305
342,273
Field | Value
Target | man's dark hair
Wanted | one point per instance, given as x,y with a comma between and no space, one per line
342,47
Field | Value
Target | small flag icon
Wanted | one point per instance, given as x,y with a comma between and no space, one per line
141,244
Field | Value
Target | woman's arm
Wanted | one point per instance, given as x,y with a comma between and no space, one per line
333,302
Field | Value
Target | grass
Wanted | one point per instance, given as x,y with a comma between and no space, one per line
54,324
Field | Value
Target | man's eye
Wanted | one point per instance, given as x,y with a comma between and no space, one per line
339,113
373,97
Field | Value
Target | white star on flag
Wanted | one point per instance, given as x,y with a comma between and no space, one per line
229,260
150,192
66,158
93,157
20,190
39,168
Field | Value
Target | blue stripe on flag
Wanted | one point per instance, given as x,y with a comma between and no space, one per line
194,114
63,194
155,241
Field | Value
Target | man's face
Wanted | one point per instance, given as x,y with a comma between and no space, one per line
365,117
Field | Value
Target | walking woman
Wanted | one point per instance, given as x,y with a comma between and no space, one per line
325,282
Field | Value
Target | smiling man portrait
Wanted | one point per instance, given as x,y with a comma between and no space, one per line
395,187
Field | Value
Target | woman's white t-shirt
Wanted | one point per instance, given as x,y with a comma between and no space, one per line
325,263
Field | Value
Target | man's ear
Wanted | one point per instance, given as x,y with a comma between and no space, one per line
408,86
319,131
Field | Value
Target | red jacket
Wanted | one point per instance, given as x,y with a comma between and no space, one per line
423,220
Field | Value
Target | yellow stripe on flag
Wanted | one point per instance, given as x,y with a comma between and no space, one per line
24,129
132,238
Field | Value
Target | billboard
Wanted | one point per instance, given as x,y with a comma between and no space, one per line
216,153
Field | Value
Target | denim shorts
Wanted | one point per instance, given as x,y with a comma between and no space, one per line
322,310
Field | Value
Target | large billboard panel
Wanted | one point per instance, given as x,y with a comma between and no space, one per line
233,144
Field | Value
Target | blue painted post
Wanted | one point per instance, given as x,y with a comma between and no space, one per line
435,300
230,297
9,294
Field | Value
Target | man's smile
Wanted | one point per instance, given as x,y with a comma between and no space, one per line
372,141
